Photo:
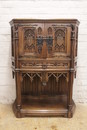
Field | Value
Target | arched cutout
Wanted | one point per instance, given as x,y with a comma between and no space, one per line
39,30
49,31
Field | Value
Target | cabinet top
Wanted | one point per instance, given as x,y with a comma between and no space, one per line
13,21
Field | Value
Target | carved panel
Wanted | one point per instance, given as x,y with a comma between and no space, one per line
46,65
44,76
29,40
59,40
32,75
58,75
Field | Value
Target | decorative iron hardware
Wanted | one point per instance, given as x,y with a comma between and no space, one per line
49,40
39,41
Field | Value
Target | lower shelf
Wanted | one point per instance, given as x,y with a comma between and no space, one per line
44,106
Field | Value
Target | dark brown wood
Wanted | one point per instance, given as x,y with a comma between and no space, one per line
44,59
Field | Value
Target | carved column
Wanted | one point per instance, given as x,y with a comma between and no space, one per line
71,73
18,78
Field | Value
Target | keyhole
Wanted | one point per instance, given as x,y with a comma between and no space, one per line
44,83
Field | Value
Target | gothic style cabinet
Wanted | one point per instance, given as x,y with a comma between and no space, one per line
44,58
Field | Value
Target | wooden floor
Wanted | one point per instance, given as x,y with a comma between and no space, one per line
9,122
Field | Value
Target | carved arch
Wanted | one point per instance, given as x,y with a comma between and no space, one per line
39,30
49,31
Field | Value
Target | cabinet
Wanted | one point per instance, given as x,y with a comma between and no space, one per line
44,60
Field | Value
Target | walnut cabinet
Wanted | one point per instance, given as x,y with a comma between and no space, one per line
44,60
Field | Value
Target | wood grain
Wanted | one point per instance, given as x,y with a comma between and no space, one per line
44,60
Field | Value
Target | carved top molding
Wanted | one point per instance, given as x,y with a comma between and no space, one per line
63,21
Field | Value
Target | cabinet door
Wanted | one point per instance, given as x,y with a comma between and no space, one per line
58,39
30,40
44,40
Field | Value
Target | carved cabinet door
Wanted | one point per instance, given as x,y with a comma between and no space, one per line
30,40
58,39
44,40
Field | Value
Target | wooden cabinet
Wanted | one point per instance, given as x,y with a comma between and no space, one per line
44,58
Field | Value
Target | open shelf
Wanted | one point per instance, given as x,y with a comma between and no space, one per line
43,106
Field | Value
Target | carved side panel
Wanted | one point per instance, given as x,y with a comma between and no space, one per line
29,40
76,50
76,41
59,40
12,42
15,43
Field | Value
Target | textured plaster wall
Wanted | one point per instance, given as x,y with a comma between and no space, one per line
41,9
